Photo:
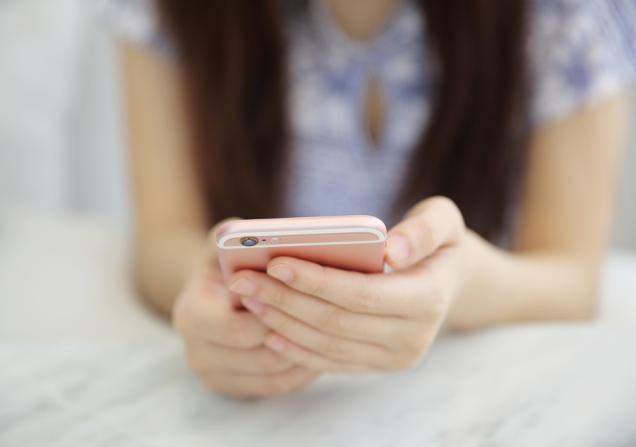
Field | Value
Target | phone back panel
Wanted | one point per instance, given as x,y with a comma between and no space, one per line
355,243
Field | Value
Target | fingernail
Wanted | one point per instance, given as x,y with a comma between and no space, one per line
281,272
256,307
398,248
275,343
243,287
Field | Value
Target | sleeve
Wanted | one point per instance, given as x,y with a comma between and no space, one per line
136,21
580,52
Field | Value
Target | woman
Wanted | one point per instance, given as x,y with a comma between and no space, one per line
497,124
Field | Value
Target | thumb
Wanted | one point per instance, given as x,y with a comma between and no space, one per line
430,225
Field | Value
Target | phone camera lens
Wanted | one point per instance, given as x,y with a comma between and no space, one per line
249,241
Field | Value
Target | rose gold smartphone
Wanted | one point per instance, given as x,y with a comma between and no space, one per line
346,242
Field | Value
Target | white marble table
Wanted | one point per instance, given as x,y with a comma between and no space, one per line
83,364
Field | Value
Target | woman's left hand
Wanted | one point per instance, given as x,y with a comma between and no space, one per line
339,321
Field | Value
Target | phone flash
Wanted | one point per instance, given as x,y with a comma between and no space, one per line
275,239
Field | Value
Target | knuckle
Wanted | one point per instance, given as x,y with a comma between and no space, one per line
334,320
422,232
368,299
281,322
442,201
276,296
450,207
334,349
385,333
316,286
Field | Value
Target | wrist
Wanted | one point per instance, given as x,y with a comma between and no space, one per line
475,305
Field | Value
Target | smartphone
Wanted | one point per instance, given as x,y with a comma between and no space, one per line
354,243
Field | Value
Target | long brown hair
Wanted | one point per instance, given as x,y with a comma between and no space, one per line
234,55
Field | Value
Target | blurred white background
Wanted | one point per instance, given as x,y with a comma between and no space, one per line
61,134
61,139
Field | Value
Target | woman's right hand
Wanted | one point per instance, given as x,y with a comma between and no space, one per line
224,346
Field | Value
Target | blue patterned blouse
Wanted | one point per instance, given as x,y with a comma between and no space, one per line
581,51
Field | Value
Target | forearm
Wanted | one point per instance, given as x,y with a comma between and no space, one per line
506,287
164,263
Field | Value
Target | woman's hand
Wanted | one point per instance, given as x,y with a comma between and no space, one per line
225,347
338,321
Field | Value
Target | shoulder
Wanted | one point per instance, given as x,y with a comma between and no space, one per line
579,51
571,19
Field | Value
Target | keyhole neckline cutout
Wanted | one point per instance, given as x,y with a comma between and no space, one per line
373,108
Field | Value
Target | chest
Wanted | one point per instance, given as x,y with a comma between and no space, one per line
370,97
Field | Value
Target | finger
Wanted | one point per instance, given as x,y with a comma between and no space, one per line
250,386
213,320
378,294
310,359
433,223
208,358
328,346
318,313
